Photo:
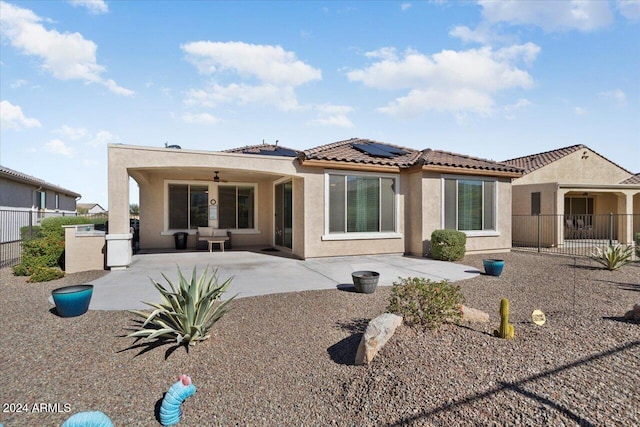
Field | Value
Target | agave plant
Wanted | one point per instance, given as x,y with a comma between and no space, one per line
613,256
187,311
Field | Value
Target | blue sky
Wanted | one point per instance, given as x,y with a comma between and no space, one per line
489,79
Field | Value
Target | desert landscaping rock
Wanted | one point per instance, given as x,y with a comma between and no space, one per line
633,314
287,359
378,332
474,315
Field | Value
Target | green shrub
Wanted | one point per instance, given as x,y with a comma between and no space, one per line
36,231
638,245
187,311
424,302
45,274
448,245
45,247
613,256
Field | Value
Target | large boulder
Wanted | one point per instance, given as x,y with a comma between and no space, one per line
378,332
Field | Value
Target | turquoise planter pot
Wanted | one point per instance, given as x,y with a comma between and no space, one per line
493,267
72,301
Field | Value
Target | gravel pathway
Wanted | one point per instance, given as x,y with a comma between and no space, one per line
287,359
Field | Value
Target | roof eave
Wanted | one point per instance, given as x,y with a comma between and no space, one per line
336,164
470,171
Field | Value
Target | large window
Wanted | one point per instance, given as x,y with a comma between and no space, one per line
188,206
469,205
237,206
361,204
42,199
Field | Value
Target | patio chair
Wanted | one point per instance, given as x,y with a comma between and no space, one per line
583,230
572,230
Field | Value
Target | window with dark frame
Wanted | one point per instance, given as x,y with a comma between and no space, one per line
469,204
361,204
535,203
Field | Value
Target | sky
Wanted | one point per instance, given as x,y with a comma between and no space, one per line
489,79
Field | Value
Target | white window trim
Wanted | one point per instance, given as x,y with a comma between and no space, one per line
355,235
496,204
255,229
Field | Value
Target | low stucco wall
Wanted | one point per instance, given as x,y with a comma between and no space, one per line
84,250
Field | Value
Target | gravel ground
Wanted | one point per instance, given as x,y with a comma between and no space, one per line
287,359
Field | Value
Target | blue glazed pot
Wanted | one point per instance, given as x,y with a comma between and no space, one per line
493,267
73,300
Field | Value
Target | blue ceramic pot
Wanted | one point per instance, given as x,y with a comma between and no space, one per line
73,300
493,267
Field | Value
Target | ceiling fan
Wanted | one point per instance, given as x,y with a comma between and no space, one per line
216,177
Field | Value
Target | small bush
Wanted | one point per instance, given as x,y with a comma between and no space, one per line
638,245
448,245
613,256
424,302
45,274
32,232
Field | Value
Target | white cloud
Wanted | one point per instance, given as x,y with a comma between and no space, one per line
454,81
580,111
467,35
71,133
269,64
67,56
332,115
12,117
283,98
630,9
617,95
95,7
405,6
267,75
550,15
18,84
102,138
510,110
201,118
57,146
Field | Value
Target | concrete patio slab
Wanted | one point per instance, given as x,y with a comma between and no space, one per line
259,274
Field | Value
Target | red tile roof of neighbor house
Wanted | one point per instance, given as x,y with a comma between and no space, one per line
533,162
633,179
444,158
344,151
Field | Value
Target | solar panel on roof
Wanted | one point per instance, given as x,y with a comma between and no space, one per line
284,152
372,150
389,149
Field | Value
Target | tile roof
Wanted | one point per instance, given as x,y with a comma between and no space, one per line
444,158
536,161
344,151
533,162
257,149
633,179
23,177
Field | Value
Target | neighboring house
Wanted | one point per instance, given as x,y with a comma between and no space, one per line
578,190
91,208
25,200
350,197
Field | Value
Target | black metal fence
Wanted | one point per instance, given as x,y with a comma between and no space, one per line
572,234
15,222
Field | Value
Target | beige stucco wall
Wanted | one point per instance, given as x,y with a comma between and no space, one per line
428,207
413,196
314,220
574,169
84,251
